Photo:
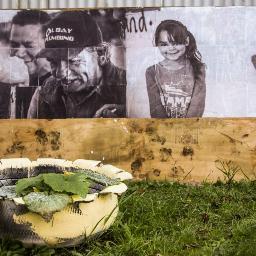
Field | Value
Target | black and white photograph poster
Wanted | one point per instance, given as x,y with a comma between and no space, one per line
191,62
62,64
136,63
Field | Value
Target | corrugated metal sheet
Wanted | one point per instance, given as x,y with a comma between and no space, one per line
52,4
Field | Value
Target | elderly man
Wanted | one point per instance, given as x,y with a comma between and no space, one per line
26,39
84,83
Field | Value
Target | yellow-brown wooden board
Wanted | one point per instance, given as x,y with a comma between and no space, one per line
172,149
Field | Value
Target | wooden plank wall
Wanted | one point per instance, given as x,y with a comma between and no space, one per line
189,150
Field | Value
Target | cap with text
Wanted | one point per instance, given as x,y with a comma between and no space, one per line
71,29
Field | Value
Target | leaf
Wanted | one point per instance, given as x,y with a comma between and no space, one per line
44,204
76,183
8,192
24,184
98,177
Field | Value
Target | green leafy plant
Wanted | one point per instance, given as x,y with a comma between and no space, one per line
50,192
76,184
44,204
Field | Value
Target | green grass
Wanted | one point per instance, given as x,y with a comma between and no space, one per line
172,219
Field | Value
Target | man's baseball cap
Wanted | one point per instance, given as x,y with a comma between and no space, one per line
70,29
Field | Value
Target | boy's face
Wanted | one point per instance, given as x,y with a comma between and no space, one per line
170,50
76,70
26,42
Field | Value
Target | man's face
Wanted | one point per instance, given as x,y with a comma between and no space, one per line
26,42
77,70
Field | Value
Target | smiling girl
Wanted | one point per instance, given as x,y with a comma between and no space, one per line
176,85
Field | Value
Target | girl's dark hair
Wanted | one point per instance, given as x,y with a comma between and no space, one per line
178,34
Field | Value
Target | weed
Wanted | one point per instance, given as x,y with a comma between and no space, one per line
228,168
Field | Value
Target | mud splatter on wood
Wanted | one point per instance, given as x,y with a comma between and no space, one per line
17,146
159,139
137,164
157,172
55,140
165,154
148,148
176,171
53,137
149,154
41,136
187,151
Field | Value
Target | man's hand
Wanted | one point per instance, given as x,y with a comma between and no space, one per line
111,110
